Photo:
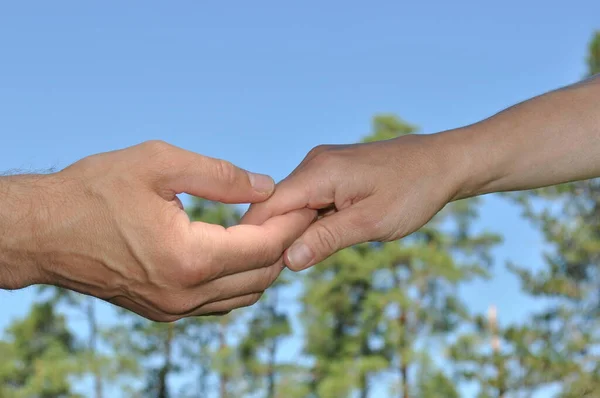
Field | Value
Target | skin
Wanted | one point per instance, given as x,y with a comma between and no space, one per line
383,191
111,226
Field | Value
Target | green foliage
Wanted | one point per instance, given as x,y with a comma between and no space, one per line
561,344
103,367
569,327
506,361
266,328
39,356
387,126
431,382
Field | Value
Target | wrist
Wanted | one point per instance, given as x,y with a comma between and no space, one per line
22,206
472,164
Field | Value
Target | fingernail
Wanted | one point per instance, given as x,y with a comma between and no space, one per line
299,255
261,183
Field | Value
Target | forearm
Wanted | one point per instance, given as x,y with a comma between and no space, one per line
548,140
19,219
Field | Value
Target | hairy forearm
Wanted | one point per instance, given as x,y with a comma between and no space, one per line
20,217
548,140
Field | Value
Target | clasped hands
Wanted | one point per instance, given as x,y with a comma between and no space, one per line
111,225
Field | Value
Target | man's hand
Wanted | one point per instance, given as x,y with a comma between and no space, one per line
112,226
379,191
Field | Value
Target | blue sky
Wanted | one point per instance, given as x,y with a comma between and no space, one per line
260,83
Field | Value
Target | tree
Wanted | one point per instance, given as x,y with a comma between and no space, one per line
569,327
593,59
102,366
39,357
156,344
367,307
506,361
431,382
336,314
561,344
266,328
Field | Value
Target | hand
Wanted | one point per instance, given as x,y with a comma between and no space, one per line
112,226
378,191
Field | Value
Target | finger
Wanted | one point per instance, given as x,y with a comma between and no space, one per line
186,302
225,306
240,284
142,309
301,189
214,308
213,179
328,235
245,247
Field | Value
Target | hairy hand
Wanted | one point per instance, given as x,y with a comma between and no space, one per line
112,226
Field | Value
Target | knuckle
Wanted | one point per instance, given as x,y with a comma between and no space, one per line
326,237
201,270
161,156
319,149
190,276
89,162
368,224
328,160
225,171
155,146
186,270
187,274
376,226
173,305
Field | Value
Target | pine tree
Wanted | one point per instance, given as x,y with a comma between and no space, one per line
267,327
504,361
39,356
104,367
568,216
156,344
559,345
431,382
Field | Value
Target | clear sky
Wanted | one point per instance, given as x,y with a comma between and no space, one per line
262,82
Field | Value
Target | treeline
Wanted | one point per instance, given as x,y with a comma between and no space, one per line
377,319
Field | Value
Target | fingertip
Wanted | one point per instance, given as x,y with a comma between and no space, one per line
288,264
299,256
262,184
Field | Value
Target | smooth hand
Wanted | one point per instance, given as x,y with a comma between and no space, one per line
388,189
378,191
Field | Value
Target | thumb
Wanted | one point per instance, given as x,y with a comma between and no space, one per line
215,179
327,236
